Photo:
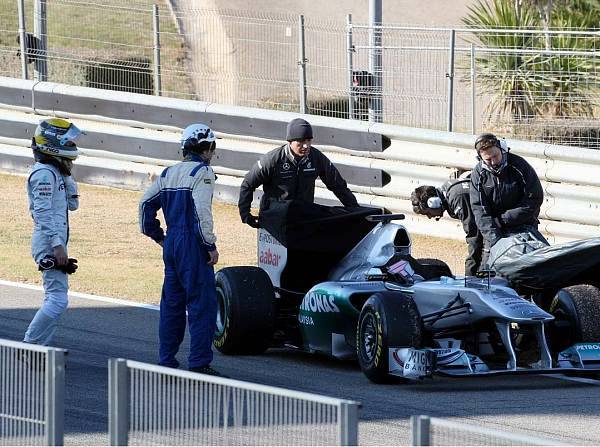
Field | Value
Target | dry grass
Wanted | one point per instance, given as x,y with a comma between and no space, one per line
117,260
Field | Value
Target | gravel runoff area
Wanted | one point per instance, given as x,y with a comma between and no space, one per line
116,260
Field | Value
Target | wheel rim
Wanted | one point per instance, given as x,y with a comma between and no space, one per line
221,312
369,337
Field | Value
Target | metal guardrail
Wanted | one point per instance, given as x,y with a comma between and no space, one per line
154,405
32,382
435,431
149,132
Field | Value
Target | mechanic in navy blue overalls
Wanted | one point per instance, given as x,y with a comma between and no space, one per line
184,193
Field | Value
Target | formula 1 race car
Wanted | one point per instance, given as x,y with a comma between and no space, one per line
343,283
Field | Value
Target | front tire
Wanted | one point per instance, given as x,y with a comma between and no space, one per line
386,320
575,309
245,310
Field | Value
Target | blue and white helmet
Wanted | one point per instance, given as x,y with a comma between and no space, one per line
197,138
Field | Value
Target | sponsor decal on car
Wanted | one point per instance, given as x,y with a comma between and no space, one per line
269,258
319,302
306,320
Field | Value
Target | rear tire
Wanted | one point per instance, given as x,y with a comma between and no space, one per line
245,310
386,320
576,310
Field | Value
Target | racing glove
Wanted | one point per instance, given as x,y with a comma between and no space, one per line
251,220
49,262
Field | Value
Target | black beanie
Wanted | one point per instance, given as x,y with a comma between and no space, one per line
299,129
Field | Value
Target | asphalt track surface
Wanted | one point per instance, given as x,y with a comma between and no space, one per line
95,329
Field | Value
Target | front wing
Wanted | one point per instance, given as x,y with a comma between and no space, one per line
414,364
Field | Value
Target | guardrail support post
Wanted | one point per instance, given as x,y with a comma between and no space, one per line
156,30
22,38
348,423
450,76
302,64
40,30
473,91
55,396
376,60
118,402
419,427
350,59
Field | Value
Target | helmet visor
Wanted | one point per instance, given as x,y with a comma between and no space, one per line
70,136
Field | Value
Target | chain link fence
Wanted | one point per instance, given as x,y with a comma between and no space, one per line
529,84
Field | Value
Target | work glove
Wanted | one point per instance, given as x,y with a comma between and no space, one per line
251,220
49,263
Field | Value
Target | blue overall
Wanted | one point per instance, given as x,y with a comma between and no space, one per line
184,193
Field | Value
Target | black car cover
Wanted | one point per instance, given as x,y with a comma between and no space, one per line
553,266
316,228
317,237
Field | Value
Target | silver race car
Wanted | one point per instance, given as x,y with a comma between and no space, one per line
345,284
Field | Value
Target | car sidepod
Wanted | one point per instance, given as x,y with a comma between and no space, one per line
328,316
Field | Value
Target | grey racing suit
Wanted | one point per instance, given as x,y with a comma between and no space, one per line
51,197
284,177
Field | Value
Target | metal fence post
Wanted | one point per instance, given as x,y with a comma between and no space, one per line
55,396
40,30
348,423
450,76
419,427
473,92
22,38
375,60
118,401
350,59
156,29
302,64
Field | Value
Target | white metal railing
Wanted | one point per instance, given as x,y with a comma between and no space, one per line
436,431
32,384
154,405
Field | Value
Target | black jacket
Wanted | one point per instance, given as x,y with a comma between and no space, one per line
285,178
458,206
508,202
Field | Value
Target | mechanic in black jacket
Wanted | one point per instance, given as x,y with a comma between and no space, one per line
289,173
506,193
452,197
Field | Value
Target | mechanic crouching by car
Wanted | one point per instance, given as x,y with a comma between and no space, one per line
184,192
452,197
506,193
289,173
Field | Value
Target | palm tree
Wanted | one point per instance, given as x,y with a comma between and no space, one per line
527,84
507,76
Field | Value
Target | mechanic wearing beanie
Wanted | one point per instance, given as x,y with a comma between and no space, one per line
289,173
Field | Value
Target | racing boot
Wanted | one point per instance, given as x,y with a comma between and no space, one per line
208,371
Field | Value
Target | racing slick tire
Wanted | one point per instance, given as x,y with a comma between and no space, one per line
245,310
575,309
435,267
387,319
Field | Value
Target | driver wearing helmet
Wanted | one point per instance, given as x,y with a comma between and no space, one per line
184,192
52,193
506,193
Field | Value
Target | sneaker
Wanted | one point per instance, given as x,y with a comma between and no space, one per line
208,371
